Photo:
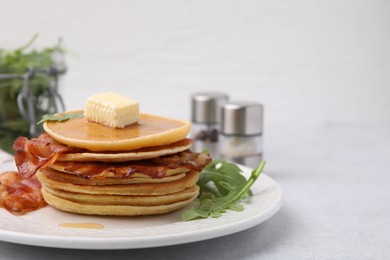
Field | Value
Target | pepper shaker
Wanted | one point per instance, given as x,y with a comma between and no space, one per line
205,107
241,130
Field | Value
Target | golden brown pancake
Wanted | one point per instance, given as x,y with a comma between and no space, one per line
135,155
125,200
116,210
61,167
96,178
75,179
149,131
123,189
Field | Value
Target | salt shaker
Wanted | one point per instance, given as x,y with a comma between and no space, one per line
241,130
205,107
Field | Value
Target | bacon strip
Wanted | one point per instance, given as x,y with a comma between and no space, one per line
31,155
20,195
155,168
21,192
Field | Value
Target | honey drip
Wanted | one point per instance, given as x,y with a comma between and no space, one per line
82,225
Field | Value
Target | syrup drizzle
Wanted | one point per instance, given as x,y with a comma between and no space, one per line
82,225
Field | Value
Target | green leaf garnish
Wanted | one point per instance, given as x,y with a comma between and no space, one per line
222,186
60,117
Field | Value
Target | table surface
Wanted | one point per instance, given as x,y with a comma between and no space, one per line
334,179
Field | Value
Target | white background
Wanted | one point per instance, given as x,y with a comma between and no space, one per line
309,62
321,69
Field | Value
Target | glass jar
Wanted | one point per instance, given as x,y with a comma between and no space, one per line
24,98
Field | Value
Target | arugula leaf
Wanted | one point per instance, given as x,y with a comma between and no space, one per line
222,174
60,117
221,188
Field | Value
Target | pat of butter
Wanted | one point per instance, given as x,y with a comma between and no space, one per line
111,109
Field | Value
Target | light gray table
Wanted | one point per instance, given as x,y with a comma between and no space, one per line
335,180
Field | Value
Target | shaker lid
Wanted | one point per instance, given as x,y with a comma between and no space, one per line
242,118
206,106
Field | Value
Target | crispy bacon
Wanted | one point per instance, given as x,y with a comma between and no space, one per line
31,155
155,168
20,195
21,192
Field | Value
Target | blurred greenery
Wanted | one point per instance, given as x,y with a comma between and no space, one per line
18,61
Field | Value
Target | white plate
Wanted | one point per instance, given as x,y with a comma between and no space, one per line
41,227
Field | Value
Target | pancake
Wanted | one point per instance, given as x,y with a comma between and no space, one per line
123,189
144,168
75,179
138,154
61,167
107,210
125,200
149,131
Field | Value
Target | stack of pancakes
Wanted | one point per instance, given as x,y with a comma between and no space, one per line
111,175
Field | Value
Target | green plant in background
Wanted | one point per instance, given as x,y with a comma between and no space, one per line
13,64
